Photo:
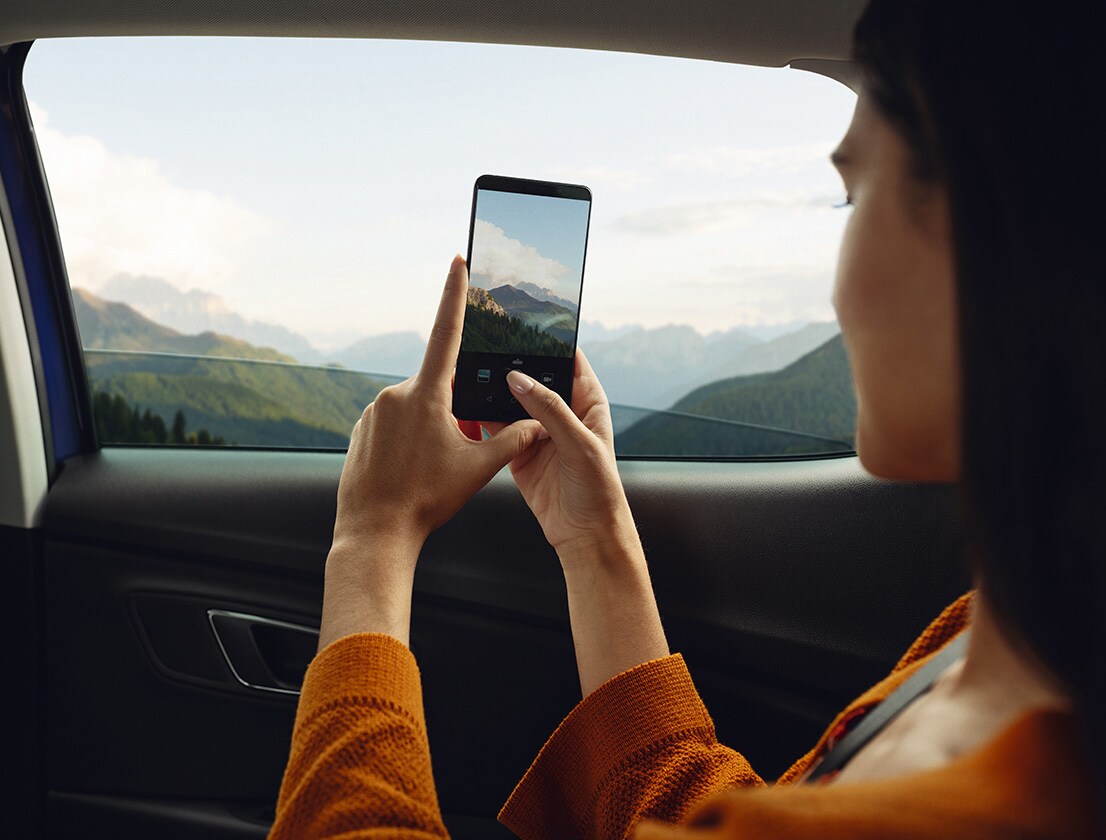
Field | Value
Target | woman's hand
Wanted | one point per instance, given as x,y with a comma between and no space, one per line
409,469
569,478
570,481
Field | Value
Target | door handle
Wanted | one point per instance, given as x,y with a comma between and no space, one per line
263,653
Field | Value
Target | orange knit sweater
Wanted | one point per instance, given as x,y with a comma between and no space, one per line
641,749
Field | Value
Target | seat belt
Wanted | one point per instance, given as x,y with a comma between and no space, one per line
874,721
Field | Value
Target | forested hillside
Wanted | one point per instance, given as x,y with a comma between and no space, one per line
243,402
490,329
119,422
549,316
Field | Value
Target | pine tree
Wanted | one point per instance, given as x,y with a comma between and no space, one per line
178,434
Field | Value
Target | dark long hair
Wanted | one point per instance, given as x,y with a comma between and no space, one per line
1002,103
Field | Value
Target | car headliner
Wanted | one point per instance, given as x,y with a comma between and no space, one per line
771,33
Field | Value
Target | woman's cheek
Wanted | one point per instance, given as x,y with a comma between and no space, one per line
849,265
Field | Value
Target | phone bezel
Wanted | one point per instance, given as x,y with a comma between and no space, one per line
550,189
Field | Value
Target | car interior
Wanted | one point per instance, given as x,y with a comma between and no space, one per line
163,603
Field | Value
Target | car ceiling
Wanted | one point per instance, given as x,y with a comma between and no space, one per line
771,33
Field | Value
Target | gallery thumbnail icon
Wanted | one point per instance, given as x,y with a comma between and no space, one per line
484,375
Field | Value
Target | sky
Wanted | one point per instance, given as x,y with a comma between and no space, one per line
529,238
325,184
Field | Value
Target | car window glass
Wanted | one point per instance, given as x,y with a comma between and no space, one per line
256,230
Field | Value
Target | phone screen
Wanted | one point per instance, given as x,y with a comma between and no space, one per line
527,242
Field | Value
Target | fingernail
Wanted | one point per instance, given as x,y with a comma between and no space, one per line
520,383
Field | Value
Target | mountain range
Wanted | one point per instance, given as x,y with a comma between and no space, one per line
241,402
196,311
813,395
105,324
540,293
655,368
283,404
546,315
652,368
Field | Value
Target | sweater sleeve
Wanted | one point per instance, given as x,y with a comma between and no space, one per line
360,761
642,745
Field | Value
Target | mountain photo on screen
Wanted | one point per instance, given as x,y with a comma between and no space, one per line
526,269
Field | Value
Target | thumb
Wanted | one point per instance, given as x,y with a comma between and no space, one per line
510,441
545,406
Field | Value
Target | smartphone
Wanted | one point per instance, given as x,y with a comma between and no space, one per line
527,241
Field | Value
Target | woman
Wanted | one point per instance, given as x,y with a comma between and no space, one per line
972,297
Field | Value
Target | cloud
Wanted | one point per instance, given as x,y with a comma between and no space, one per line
758,294
505,260
713,216
605,179
120,214
740,162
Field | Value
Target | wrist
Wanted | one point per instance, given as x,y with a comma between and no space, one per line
355,532
613,612
616,551
367,588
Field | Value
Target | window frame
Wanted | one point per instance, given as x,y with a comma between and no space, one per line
65,392
41,278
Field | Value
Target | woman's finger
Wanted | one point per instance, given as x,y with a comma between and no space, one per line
494,427
511,441
547,407
445,337
586,388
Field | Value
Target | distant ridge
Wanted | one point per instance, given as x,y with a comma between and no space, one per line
812,395
545,315
111,325
540,293
654,368
396,354
197,311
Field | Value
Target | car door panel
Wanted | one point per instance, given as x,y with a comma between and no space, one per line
784,585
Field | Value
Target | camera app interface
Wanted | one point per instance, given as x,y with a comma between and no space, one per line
525,275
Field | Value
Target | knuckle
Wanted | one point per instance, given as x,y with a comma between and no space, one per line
521,444
596,454
552,400
387,397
